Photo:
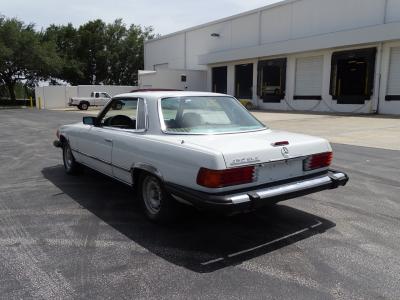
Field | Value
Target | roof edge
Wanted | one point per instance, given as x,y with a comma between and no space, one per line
246,13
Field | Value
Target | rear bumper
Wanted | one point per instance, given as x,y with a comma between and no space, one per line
250,199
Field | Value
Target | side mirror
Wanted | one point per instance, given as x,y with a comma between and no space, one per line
90,121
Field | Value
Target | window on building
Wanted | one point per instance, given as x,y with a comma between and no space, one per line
219,80
393,85
352,77
271,80
309,78
244,81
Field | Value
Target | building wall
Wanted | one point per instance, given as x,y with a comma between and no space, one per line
291,29
289,20
171,79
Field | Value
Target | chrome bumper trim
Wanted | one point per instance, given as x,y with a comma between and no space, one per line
284,189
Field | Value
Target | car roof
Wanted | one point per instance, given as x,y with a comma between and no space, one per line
166,94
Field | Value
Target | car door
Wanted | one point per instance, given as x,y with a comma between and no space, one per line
95,148
96,141
126,141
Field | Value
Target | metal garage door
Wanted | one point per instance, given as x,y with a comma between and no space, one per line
393,88
309,77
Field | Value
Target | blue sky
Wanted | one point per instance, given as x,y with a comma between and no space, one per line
166,16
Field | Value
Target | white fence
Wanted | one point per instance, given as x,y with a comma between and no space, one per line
53,97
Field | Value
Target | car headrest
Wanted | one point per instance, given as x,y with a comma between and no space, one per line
191,120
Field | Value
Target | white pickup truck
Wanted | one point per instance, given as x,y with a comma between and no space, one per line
95,99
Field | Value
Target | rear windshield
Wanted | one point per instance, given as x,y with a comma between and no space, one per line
206,115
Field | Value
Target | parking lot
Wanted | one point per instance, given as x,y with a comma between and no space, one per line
85,237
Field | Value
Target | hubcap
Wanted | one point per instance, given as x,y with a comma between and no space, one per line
152,194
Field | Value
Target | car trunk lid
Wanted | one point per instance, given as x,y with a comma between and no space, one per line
277,155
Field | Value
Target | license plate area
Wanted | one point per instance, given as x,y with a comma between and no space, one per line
279,170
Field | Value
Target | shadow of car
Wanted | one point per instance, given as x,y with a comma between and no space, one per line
200,242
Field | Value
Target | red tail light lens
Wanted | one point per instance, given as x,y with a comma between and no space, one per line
222,178
318,161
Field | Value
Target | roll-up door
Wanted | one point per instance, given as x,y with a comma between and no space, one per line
393,86
309,77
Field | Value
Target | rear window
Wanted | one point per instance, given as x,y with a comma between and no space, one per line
206,115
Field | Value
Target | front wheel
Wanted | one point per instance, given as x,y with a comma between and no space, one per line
157,203
70,165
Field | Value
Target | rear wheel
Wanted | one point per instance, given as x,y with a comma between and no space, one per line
83,106
70,165
157,203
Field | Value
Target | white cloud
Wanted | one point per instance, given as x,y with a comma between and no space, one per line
164,16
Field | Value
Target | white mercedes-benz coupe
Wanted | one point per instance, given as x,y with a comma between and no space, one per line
200,149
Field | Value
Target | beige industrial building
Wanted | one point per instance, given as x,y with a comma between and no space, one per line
306,55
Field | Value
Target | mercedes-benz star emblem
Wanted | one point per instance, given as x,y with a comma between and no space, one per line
285,152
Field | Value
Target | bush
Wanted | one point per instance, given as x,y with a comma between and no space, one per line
8,102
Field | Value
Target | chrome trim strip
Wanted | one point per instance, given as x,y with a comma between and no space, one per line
290,188
113,177
286,189
339,175
240,199
92,157
101,160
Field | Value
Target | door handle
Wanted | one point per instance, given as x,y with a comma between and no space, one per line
108,140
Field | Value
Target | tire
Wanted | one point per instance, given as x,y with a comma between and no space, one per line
83,106
157,203
70,165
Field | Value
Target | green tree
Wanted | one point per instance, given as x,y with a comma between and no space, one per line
91,51
133,53
99,53
23,57
67,41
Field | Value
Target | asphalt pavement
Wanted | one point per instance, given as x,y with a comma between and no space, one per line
85,237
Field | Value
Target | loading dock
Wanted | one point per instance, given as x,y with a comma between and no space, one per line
220,80
244,81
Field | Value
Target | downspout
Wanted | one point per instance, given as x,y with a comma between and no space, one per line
380,53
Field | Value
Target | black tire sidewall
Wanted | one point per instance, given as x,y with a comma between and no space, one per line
81,106
73,169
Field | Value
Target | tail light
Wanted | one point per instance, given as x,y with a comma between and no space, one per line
318,161
222,178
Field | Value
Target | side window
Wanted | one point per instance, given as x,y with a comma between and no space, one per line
170,108
122,113
104,95
97,95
